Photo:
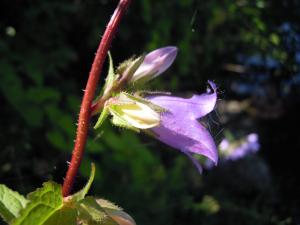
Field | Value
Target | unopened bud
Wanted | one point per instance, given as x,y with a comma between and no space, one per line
155,63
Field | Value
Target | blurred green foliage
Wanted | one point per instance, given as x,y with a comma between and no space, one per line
46,49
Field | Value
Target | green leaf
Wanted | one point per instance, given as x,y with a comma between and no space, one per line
115,212
66,216
91,213
82,193
107,204
44,202
11,203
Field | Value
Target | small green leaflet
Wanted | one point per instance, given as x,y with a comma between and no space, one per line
44,202
11,203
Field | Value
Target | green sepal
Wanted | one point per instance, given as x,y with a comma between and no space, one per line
104,114
111,76
82,193
124,65
11,203
132,67
43,203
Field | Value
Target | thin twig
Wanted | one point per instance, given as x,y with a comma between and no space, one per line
85,109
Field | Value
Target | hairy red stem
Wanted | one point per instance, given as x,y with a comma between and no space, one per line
85,109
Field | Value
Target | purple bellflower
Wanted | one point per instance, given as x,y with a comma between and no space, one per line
172,120
179,126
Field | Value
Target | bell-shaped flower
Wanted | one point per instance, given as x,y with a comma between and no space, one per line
179,126
155,63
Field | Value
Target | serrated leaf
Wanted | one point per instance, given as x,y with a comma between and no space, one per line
91,213
107,204
115,212
64,216
11,203
44,202
82,193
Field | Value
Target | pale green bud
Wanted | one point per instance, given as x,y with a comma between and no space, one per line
130,112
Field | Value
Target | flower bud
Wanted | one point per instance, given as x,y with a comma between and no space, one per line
155,63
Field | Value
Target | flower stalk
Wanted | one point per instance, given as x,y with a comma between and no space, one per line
85,109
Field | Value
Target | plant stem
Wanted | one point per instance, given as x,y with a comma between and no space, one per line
85,109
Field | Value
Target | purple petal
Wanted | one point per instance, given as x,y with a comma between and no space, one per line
195,107
186,135
179,127
155,63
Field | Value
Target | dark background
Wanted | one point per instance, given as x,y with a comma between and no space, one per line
250,48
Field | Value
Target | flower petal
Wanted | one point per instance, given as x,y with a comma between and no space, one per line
155,63
195,107
186,135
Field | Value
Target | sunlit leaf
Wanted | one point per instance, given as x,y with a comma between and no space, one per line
11,203
44,202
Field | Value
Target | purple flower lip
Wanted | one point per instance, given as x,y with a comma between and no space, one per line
179,126
155,63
